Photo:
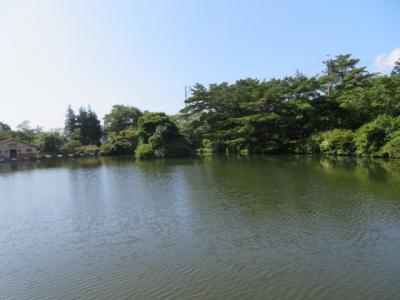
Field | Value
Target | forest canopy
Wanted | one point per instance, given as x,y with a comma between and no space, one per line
329,113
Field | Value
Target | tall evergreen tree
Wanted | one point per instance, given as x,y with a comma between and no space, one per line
70,122
89,125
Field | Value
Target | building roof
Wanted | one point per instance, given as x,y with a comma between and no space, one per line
16,141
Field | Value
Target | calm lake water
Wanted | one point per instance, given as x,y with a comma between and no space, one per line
274,227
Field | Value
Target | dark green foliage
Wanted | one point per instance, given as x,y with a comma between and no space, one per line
71,145
371,137
89,126
338,142
49,142
149,122
121,117
207,147
161,133
311,145
84,127
123,142
70,122
192,135
344,111
144,151
297,114
392,147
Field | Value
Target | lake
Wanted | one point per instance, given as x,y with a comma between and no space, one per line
262,227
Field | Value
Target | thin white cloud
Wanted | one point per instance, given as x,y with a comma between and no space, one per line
385,62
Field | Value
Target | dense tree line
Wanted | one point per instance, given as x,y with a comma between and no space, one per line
82,133
333,113
344,111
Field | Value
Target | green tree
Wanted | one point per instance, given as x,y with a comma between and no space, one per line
71,145
121,117
49,142
343,109
162,135
349,85
70,122
89,127
122,142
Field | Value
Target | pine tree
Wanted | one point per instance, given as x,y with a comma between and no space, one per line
70,122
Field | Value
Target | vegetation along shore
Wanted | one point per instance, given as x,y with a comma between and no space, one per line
346,110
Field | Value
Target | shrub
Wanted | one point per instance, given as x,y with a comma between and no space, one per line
310,146
123,142
371,137
88,149
392,148
235,145
210,146
107,149
207,147
144,151
338,142
71,146
49,142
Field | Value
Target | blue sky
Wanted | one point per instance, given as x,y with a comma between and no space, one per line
142,53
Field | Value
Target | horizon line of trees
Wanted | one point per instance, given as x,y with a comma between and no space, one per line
346,110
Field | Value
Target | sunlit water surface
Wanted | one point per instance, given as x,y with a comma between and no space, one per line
274,227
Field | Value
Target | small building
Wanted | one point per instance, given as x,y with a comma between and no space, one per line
14,149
